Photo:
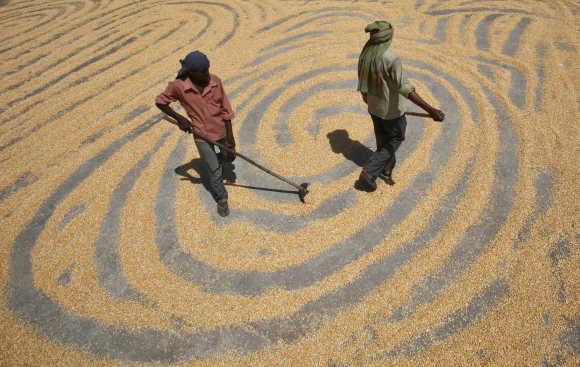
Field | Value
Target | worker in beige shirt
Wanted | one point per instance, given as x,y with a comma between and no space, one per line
384,86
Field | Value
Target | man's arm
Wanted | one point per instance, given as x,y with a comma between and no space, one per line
227,115
398,74
436,114
162,101
230,134
182,121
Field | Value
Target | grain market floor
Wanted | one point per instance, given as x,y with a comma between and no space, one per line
111,251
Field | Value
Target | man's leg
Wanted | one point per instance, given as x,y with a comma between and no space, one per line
374,165
214,168
228,167
396,135
379,158
380,136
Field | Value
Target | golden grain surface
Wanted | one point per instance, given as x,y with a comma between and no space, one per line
111,251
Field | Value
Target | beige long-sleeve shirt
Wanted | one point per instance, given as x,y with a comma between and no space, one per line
392,81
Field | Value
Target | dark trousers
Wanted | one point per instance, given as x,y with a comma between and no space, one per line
213,166
389,134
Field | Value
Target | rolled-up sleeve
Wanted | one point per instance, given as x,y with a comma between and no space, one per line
399,76
168,96
227,110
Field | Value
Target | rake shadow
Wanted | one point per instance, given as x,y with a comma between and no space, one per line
197,166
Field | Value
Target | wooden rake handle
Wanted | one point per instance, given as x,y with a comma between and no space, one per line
418,114
300,188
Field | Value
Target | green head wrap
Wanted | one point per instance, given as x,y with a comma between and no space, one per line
381,34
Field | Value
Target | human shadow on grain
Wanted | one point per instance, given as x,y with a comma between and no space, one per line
229,173
353,150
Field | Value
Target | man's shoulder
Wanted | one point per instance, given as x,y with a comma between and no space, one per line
215,78
177,82
390,56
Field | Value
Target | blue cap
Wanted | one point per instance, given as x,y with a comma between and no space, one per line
194,61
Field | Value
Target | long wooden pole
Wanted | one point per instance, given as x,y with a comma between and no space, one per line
418,114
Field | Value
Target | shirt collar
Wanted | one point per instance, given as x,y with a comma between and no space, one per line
188,85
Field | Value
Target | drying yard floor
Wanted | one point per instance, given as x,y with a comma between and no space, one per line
112,253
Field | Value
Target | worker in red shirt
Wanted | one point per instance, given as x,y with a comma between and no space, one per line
202,96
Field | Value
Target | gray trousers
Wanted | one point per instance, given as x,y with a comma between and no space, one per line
213,167
389,134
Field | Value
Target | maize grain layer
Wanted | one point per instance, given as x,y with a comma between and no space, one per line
112,251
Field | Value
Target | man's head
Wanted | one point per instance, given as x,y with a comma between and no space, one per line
379,27
339,140
195,66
